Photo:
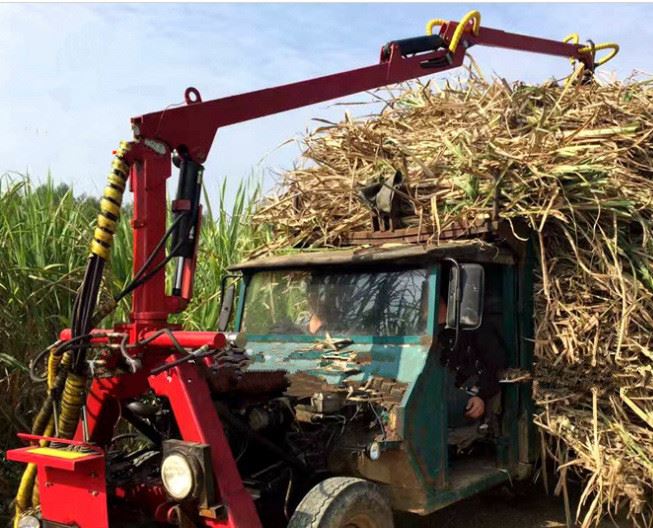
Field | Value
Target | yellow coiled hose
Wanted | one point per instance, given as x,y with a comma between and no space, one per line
27,496
25,492
59,376
110,204
72,400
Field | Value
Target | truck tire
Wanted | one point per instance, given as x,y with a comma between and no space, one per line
343,502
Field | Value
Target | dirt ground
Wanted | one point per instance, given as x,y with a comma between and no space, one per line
496,509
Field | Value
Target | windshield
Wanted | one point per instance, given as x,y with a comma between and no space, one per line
379,303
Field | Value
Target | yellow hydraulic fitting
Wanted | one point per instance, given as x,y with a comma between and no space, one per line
432,23
473,16
572,37
613,46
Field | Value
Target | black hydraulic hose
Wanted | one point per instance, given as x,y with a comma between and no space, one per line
134,283
57,348
196,354
156,334
87,295
37,359
147,430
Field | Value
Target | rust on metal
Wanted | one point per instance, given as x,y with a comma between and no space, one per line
304,385
386,392
474,250
235,382
417,235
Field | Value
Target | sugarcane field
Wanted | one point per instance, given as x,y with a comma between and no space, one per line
344,277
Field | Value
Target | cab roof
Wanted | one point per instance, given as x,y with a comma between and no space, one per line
408,254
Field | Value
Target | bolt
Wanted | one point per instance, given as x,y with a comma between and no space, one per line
48,483
95,493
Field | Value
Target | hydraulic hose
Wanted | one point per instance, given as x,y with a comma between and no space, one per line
27,496
107,222
110,204
66,373
74,390
25,492
72,400
56,381
53,364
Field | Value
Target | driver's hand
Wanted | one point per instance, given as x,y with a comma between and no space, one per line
475,408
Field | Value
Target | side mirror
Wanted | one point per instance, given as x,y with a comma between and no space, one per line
465,297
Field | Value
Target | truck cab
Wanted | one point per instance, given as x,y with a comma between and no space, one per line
332,391
356,334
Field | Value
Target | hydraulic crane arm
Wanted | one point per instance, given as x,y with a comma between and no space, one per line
190,130
196,124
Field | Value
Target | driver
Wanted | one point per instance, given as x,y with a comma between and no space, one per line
473,371
316,320
315,324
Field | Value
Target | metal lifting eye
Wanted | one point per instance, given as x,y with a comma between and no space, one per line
192,95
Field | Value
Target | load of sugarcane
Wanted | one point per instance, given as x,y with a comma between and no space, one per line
574,162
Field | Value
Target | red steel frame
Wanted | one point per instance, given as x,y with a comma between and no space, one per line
194,126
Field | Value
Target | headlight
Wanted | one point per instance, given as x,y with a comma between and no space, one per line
186,472
29,521
177,476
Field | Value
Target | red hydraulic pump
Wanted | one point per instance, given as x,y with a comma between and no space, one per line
64,484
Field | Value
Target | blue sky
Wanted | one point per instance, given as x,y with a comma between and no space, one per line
73,74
